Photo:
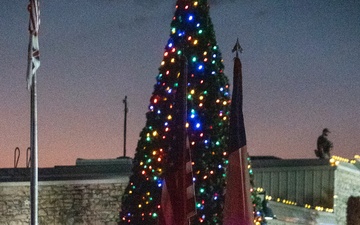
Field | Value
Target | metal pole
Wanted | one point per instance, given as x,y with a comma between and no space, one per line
34,154
183,134
125,119
33,64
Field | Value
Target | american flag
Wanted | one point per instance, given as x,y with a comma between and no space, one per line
178,194
189,184
172,198
34,54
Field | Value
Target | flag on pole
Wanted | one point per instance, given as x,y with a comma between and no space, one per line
189,183
178,194
34,54
33,65
238,206
170,203
166,214
237,136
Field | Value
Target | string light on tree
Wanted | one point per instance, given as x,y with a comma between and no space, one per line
191,35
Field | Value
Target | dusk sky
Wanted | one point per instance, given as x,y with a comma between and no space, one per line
301,64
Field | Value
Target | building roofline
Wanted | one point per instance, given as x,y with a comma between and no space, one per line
261,162
107,169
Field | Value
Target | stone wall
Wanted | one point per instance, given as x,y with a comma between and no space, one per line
91,202
347,184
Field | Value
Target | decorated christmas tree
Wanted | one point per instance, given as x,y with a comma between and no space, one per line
191,35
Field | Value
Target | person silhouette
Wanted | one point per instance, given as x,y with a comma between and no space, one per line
324,146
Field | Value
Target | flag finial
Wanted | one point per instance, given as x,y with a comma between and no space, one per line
237,48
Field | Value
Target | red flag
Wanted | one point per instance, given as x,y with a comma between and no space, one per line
166,214
178,194
238,206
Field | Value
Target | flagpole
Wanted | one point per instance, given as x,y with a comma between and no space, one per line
33,140
33,65
183,136
34,153
125,119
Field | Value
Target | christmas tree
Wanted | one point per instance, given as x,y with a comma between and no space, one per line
192,35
